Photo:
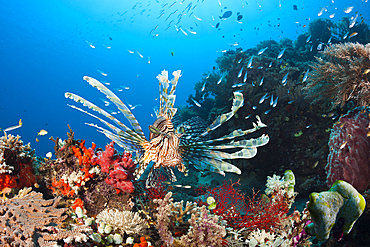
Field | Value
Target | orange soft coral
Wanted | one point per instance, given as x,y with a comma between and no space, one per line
143,243
63,187
7,180
77,203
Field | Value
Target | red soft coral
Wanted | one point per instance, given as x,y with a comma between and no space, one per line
119,166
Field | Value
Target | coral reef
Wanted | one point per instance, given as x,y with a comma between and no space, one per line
23,217
349,146
205,230
123,221
339,75
16,162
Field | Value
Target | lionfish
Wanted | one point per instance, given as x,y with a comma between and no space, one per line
168,147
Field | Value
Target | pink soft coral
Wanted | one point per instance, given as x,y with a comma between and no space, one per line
349,148
119,166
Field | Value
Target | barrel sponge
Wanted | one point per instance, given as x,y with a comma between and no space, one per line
349,148
342,201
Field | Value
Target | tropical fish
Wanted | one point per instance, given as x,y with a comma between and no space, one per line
204,86
245,76
262,51
263,98
167,148
240,72
238,85
250,63
42,132
284,81
196,102
275,102
102,73
366,71
14,127
308,39
281,53
227,14
272,100
305,76
346,35
353,34
49,155
348,10
261,82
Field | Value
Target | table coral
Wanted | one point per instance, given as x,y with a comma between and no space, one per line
22,218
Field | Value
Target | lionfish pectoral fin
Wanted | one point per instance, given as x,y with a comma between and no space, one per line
170,174
152,179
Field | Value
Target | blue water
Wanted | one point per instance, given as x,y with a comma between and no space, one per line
47,46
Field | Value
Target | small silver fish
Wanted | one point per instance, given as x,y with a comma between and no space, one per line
275,101
290,102
254,107
346,35
248,116
270,64
308,39
272,100
245,76
261,82
238,85
267,112
262,51
305,76
240,72
250,63
196,102
263,98
284,81
240,60
281,53
204,87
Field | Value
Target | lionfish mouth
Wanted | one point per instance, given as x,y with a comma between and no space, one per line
166,148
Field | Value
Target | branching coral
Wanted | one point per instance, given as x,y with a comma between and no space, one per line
123,221
340,75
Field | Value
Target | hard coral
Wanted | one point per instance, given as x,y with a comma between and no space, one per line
349,146
23,218
16,162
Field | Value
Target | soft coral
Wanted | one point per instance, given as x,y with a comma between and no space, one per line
119,166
